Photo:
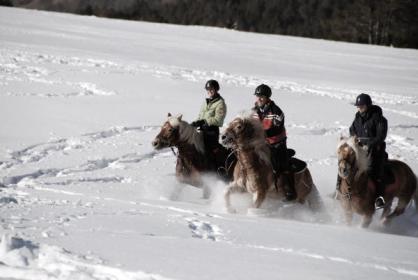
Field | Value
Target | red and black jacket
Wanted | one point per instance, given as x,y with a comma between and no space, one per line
272,118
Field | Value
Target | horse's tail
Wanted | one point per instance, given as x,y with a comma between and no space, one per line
408,185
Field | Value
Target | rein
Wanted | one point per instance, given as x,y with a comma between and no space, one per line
227,168
174,152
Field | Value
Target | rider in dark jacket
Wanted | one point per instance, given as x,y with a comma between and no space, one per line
272,118
371,127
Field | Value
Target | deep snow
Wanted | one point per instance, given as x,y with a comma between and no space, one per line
84,196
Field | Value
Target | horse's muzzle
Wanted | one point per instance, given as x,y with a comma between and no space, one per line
226,140
156,143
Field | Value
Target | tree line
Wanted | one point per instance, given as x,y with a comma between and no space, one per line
379,22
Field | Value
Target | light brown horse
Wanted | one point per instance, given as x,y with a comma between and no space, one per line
254,172
192,161
357,192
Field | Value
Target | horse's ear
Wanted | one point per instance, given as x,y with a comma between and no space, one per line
179,116
168,115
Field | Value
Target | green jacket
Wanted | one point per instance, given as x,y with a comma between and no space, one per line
213,111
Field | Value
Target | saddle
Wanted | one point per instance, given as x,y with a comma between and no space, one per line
297,165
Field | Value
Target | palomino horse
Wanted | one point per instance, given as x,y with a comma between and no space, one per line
357,192
191,158
253,172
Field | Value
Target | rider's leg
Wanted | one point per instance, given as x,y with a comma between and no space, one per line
377,157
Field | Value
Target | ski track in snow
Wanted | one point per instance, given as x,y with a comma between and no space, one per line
18,66
39,152
335,259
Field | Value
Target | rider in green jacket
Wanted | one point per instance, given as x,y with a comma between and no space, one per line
211,116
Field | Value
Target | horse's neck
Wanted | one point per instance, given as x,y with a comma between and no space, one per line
186,149
250,158
358,182
189,135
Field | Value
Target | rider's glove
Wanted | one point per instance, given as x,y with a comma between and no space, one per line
199,123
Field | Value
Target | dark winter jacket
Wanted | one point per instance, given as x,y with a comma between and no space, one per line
371,128
272,118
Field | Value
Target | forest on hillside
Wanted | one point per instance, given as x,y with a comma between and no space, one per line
380,22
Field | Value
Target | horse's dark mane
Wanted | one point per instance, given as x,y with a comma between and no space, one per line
188,133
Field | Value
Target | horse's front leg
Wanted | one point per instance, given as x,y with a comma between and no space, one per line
258,198
385,213
367,219
348,213
233,187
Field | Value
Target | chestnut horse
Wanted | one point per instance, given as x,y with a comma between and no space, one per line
253,172
357,192
192,161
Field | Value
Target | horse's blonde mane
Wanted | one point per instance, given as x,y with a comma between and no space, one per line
258,141
362,158
188,133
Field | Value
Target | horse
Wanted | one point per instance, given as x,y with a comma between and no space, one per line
192,161
254,172
357,191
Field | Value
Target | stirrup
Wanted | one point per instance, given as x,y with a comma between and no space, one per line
379,202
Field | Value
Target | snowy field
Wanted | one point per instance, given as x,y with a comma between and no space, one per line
83,195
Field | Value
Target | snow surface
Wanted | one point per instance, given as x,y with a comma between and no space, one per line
84,196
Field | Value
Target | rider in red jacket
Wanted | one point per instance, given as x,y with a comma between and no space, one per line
272,118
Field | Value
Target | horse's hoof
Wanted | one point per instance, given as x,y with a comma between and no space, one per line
385,221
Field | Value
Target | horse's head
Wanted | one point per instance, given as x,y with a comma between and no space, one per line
351,157
169,133
239,132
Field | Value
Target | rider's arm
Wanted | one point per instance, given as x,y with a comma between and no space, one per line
353,130
381,132
277,123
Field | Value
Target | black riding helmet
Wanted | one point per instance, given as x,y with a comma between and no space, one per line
363,99
212,84
263,90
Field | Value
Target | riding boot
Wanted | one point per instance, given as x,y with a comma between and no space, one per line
211,157
289,186
380,191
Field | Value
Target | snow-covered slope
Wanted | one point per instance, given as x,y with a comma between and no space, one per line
84,196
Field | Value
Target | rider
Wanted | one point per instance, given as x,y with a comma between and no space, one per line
370,127
211,117
272,118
